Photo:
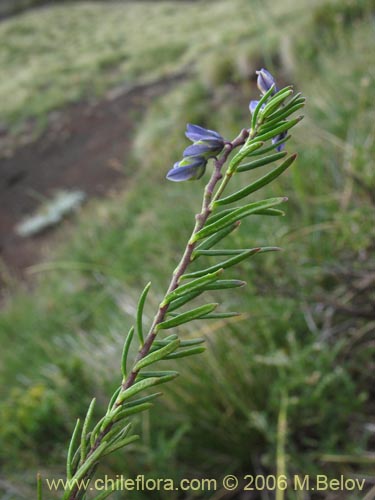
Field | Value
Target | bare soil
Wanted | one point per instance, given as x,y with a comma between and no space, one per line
84,147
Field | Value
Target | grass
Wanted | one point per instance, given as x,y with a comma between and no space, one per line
295,353
62,54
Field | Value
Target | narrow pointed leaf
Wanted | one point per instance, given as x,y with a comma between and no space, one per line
223,251
236,215
132,411
234,260
186,352
90,461
140,401
140,308
165,340
245,151
261,162
272,147
155,373
191,286
222,315
278,130
224,284
85,427
155,356
284,113
113,399
225,264
177,303
120,444
185,343
274,212
142,385
262,101
187,316
72,445
117,433
215,238
125,351
219,215
275,102
259,183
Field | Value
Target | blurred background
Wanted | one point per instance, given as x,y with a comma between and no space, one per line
94,99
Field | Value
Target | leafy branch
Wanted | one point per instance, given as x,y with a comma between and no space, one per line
270,122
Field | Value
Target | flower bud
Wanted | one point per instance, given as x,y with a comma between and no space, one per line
207,143
189,168
265,81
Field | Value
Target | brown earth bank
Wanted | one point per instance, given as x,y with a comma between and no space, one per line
84,147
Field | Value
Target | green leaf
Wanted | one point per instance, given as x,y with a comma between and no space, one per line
224,284
140,401
222,315
219,215
259,106
125,351
192,286
259,183
278,130
284,113
72,445
117,433
261,162
165,340
186,316
85,427
236,215
155,373
215,238
272,147
142,385
175,304
113,399
132,411
189,342
186,352
90,461
245,151
271,211
223,251
275,102
140,307
227,263
120,444
155,356
234,260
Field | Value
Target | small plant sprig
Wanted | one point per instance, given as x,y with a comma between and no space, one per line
270,121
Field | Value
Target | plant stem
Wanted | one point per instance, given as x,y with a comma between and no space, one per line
200,220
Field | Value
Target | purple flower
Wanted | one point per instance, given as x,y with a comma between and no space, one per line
207,143
253,105
278,138
189,168
265,81
197,133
